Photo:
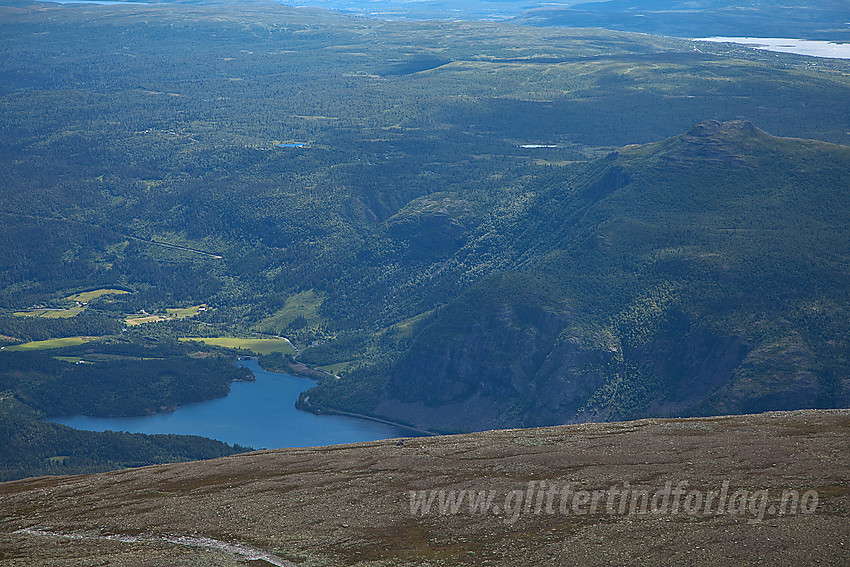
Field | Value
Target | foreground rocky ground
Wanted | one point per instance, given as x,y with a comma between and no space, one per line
351,504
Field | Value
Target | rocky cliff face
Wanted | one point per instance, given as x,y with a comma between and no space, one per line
471,366
508,372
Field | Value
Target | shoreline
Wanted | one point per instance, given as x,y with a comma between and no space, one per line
821,49
331,411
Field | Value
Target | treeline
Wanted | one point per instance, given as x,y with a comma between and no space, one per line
119,378
114,387
41,328
29,447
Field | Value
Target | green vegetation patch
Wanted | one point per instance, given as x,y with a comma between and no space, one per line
81,299
300,311
408,327
133,321
185,312
51,313
87,296
259,346
50,343
58,459
171,314
338,368
70,359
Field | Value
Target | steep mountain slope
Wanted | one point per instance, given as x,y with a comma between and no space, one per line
351,504
703,274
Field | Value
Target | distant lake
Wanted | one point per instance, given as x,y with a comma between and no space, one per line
103,2
257,414
798,46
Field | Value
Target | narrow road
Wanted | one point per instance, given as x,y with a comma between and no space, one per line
127,236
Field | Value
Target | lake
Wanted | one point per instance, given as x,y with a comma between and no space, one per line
101,2
257,414
811,48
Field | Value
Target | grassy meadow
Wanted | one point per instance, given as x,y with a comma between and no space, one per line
257,346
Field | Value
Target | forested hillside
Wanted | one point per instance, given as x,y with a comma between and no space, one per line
448,215
106,377
701,275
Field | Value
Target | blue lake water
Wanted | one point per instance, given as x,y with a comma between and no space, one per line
101,2
811,48
257,414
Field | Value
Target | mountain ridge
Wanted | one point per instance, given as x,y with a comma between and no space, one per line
356,504
678,225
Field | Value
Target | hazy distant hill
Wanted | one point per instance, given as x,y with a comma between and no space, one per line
801,19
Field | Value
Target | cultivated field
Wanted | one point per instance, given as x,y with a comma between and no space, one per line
258,346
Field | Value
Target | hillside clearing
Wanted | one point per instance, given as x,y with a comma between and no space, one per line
258,346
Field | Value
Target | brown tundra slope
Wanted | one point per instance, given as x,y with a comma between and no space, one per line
351,504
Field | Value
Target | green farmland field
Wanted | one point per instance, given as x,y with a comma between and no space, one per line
259,346
50,343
